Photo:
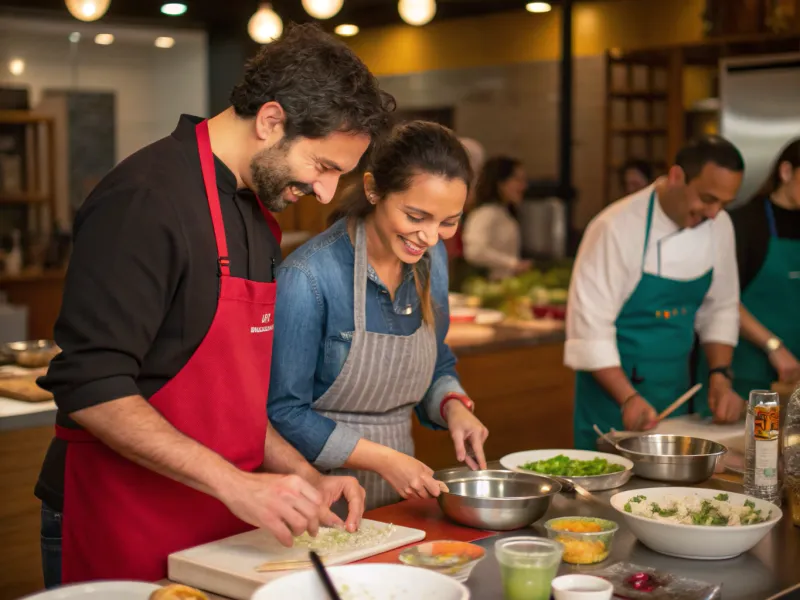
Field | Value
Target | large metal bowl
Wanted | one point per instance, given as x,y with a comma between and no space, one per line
672,458
497,500
33,353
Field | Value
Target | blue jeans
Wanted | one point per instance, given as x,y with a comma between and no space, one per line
51,546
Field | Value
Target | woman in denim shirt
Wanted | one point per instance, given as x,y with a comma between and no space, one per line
360,321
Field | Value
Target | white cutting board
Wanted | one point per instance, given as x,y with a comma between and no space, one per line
228,567
731,436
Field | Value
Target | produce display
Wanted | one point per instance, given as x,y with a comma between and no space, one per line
692,510
518,296
563,466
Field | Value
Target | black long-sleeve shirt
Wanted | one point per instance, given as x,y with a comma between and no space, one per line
142,284
752,235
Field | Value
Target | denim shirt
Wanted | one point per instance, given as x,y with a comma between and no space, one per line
314,326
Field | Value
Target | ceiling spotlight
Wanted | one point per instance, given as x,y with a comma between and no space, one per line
104,39
265,25
75,37
87,10
322,9
16,66
417,12
346,30
173,9
164,42
538,7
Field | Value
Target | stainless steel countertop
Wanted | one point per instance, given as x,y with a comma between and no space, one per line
772,566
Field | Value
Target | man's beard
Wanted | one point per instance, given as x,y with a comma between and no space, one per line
272,176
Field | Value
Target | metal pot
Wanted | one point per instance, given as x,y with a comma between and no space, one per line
672,458
497,500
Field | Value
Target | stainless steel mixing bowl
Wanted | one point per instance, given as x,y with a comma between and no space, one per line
497,500
672,458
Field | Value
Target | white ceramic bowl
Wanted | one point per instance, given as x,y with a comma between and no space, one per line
367,581
593,483
698,542
99,590
582,587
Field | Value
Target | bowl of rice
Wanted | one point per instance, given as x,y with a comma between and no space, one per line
696,523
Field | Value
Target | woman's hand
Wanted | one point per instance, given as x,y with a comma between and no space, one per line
466,430
785,364
408,476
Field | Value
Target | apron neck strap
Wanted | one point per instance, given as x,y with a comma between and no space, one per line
212,195
650,207
773,227
360,278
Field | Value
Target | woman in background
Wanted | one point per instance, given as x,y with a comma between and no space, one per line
768,252
360,322
635,175
492,234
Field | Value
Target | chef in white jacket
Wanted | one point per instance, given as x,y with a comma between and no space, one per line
652,269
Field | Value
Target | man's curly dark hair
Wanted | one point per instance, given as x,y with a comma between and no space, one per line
321,84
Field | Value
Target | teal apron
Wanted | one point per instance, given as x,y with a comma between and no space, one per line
655,335
773,298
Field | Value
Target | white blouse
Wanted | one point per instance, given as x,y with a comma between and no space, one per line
492,239
608,268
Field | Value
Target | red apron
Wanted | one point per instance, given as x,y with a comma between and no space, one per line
121,521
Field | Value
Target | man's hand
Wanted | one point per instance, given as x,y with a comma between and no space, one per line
332,488
285,505
639,415
726,405
785,364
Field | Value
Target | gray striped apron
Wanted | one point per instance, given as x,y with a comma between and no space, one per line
384,377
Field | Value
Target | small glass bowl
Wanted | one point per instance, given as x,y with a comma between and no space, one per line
586,540
455,559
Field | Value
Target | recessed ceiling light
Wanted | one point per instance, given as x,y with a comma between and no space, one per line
173,9
104,39
164,42
16,66
346,29
75,37
538,7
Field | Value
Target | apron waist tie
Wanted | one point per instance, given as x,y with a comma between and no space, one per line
75,435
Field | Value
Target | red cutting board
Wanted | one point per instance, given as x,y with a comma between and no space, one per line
425,515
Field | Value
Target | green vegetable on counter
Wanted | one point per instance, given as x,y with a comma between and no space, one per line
564,466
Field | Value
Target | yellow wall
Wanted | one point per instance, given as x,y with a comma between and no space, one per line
516,37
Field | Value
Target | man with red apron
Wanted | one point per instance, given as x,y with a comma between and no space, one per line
162,441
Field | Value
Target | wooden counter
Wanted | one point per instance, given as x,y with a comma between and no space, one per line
41,292
523,393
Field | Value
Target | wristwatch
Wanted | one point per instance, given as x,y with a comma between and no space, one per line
772,344
461,398
726,371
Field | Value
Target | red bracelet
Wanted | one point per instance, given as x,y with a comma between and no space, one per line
456,396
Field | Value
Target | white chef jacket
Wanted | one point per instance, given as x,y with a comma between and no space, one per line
608,268
492,239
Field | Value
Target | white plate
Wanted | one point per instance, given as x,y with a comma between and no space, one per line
696,542
367,582
593,483
100,590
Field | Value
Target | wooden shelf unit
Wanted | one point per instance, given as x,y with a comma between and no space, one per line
644,112
38,187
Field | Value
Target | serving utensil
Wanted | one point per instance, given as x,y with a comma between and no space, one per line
679,402
323,575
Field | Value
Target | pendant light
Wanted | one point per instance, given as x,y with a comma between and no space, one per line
87,10
265,25
416,12
322,9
